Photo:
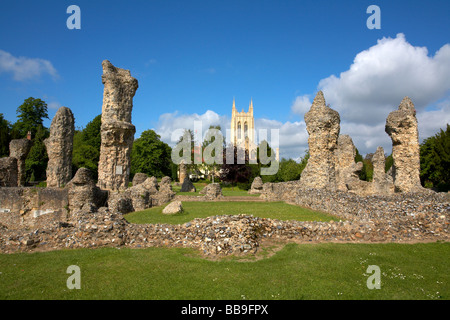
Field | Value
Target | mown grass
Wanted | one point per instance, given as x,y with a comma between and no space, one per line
307,271
194,209
226,191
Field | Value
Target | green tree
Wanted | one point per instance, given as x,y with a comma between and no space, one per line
31,115
366,173
5,136
150,155
236,173
36,162
388,163
435,161
212,168
86,147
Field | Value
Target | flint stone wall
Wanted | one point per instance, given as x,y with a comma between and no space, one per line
32,206
19,149
8,172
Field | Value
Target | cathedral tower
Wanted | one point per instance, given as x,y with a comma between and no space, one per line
243,128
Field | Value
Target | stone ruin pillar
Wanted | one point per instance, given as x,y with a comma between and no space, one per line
346,168
59,148
401,126
19,149
183,172
323,126
117,132
381,182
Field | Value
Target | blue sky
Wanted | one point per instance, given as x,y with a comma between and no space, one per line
191,58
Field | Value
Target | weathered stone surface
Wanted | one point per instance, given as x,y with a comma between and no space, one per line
396,218
183,172
257,186
151,185
401,126
212,191
59,148
83,194
8,172
286,191
173,208
323,126
19,149
139,178
347,169
117,132
382,183
187,185
140,197
165,192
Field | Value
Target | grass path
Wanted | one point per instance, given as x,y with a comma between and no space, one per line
309,271
275,210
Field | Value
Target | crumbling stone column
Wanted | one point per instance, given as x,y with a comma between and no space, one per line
382,182
183,172
401,126
323,126
117,132
346,168
8,172
59,148
19,149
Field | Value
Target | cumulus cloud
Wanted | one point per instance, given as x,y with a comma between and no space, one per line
23,68
293,138
382,75
171,122
301,104
375,84
54,105
431,121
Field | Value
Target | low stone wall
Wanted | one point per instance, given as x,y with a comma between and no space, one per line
33,207
396,218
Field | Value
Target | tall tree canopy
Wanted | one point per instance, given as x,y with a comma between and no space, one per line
150,155
435,160
31,115
36,162
86,146
5,136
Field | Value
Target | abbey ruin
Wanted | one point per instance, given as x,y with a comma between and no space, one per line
76,211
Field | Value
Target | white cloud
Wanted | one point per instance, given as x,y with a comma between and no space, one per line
23,68
55,105
375,84
293,138
150,62
301,104
169,122
431,121
382,75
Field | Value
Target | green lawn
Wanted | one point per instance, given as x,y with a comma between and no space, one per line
226,191
307,271
192,210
